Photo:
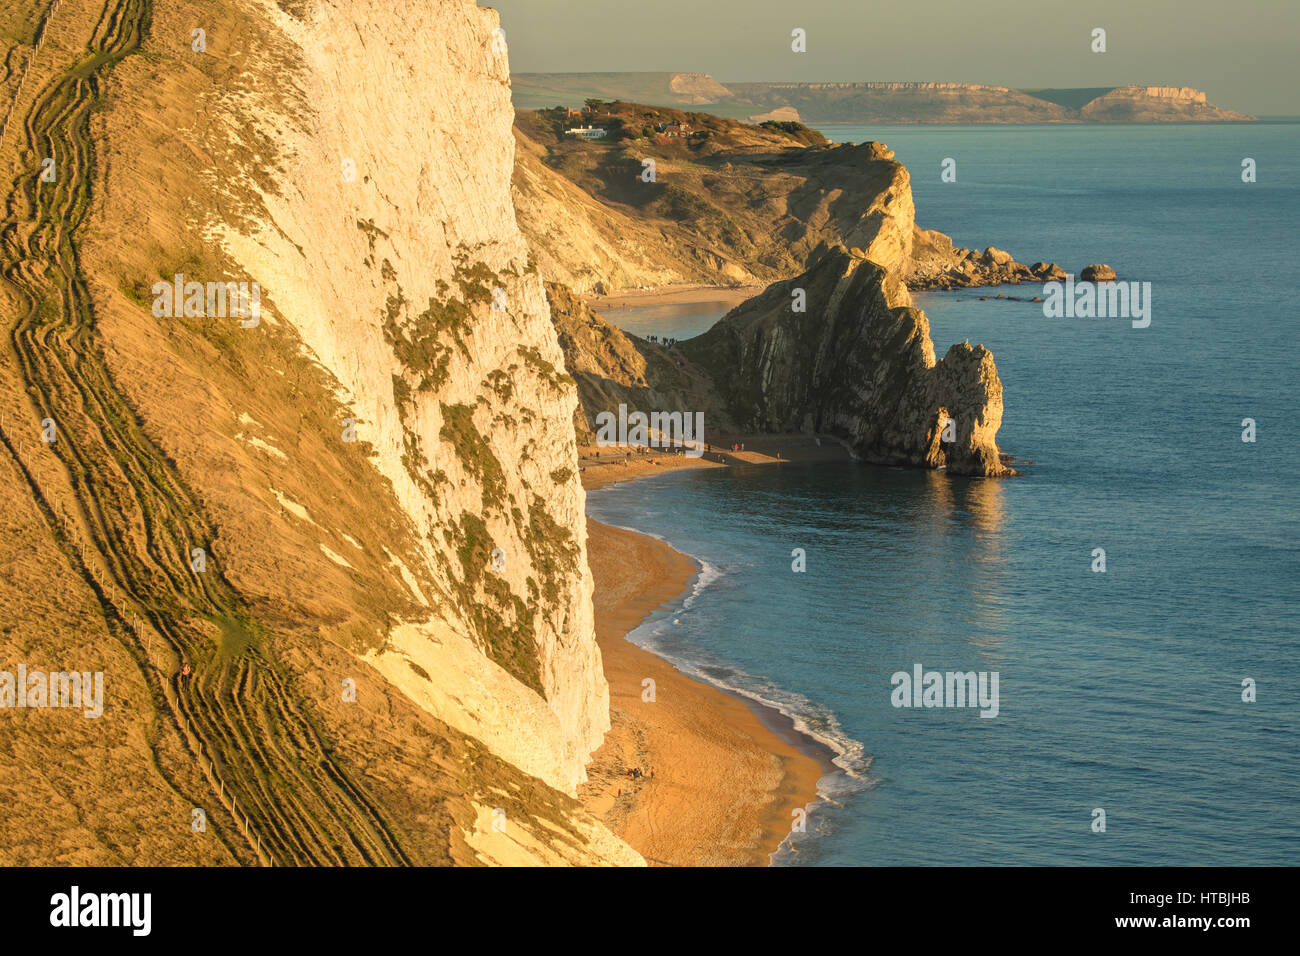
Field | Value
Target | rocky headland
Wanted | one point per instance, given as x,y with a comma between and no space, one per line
834,346
859,365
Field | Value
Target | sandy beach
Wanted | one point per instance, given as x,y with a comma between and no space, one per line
674,295
727,773
603,465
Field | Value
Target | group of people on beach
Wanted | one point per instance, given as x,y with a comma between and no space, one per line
646,449
661,341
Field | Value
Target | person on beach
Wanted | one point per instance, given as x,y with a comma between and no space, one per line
185,668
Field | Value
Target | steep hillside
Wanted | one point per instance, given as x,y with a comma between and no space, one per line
739,205
329,554
613,368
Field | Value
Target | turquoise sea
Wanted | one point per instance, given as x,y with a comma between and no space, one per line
1118,690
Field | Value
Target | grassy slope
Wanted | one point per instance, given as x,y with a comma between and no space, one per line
738,203
156,454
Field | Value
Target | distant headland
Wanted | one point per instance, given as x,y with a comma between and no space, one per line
877,102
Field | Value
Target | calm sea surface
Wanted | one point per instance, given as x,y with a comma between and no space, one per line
1119,691
677,320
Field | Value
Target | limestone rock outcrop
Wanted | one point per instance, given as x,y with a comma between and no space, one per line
859,365
782,114
937,264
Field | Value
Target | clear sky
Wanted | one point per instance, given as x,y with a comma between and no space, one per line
1243,53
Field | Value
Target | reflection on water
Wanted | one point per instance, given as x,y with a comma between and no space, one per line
982,502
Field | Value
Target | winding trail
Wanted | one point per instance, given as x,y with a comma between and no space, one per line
127,523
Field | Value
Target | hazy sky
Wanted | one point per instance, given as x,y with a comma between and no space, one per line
1243,53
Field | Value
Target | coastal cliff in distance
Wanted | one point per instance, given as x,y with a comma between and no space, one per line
974,103
878,102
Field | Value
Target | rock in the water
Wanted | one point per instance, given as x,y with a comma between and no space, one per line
936,264
1097,273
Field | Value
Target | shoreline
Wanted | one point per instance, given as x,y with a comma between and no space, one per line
730,771
601,466
677,294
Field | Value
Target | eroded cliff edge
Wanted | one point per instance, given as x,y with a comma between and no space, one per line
412,285
834,347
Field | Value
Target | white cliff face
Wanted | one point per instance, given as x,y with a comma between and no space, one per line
390,244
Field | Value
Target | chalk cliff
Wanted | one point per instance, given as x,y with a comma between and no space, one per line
382,469
411,284
978,103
